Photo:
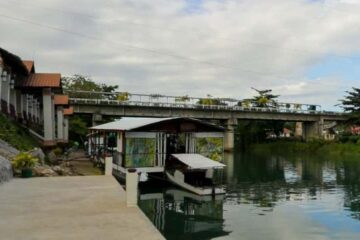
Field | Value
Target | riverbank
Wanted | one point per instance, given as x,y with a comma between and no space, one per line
318,147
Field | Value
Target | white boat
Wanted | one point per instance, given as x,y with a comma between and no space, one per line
194,173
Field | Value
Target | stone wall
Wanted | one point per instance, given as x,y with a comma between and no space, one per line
6,172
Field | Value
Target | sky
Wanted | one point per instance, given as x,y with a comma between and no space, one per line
307,51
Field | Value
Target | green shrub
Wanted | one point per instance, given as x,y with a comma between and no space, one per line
24,160
16,135
57,151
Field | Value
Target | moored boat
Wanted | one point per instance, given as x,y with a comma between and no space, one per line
195,173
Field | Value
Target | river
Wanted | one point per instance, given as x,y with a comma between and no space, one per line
268,197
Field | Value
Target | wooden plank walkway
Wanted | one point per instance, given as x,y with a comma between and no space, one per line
84,207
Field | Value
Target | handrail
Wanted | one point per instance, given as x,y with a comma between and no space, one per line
279,108
172,98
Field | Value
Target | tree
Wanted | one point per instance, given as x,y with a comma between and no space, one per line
265,98
351,104
74,85
78,128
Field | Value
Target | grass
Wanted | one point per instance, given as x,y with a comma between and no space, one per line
16,135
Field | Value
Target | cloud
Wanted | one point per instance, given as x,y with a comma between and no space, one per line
188,47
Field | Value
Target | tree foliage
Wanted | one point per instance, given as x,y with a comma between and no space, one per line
264,98
249,131
209,100
351,104
78,128
73,85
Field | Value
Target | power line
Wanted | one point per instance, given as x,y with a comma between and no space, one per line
152,51
303,52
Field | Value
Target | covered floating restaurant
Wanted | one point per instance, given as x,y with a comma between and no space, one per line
147,143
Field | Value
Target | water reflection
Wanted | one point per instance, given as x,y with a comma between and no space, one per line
271,197
180,214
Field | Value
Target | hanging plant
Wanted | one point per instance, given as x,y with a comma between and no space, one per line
123,96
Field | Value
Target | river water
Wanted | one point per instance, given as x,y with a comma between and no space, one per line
268,197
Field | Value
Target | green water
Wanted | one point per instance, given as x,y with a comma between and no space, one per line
268,197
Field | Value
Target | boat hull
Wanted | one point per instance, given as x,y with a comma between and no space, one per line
191,188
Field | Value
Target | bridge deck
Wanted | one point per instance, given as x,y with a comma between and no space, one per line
163,109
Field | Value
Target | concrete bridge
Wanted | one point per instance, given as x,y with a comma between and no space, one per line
228,111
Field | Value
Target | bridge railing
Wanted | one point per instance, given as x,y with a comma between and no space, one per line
280,107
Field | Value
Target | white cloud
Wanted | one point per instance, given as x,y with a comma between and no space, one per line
159,46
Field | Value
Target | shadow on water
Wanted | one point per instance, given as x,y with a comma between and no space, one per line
320,195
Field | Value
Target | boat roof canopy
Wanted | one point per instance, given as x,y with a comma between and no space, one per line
153,124
197,161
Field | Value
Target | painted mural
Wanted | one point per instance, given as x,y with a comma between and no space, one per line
211,147
140,152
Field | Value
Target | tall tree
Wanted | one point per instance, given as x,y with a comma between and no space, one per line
73,85
351,104
264,98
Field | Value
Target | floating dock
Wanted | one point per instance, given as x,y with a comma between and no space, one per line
84,207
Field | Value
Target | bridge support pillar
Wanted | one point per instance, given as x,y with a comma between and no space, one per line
96,118
299,130
313,130
229,138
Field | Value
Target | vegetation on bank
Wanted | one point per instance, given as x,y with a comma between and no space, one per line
73,86
316,146
16,135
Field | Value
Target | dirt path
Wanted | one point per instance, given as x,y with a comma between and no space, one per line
81,164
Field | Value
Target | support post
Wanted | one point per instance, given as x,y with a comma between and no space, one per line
108,166
96,118
12,103
18,104
5,93
229,140
48,116
60,123
24,106
1,80
66,129
132,179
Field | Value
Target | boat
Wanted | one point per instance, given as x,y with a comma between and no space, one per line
195,173
145,144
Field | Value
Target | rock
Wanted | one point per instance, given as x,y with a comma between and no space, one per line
38,153
63,171
59,170
7,151
44,171
6,172
52,157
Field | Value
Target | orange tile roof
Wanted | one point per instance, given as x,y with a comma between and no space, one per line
68,111
61,99
29,65
42,80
